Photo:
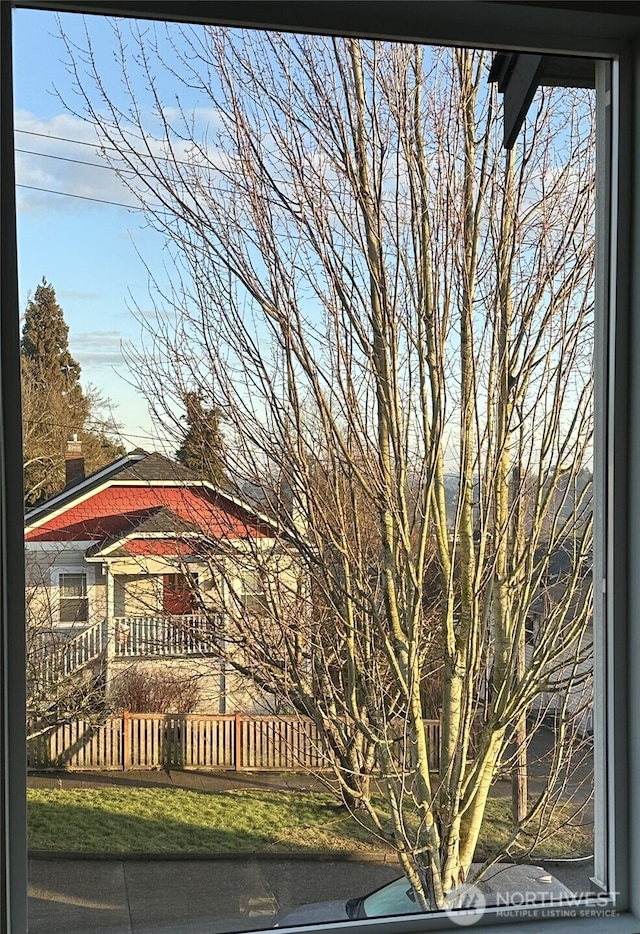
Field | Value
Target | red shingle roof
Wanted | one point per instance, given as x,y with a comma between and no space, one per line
142,488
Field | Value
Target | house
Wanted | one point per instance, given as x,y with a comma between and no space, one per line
569,675
120,575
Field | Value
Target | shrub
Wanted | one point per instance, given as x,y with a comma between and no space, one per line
140,690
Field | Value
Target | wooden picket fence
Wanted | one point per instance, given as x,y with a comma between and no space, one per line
189,741
185,741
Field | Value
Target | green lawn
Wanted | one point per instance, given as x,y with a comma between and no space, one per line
171,820
175,821
569,837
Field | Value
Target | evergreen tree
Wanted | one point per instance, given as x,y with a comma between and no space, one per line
45,344
54,404
202,448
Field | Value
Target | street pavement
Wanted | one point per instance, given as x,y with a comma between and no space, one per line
201,896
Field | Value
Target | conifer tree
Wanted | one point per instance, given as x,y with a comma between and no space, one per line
54,404
202,448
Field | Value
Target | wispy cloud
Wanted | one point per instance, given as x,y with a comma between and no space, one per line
63,154
82,296
202,117
98,349
63,157
101,361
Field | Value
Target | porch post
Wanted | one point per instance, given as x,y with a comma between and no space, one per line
109,625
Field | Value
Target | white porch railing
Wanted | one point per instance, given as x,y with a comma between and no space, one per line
129,636
165,636
56,661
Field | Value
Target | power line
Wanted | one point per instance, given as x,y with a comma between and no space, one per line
81,142
67,194
66,139
94,165
50,155
118,434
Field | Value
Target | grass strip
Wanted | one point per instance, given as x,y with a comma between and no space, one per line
564,834
120,821
172,820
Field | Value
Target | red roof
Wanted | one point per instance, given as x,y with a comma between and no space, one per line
142,547
119,508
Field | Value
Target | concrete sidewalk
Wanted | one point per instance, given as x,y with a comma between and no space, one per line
187,896
209,782
201,896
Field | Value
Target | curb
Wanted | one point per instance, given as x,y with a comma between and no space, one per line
320,856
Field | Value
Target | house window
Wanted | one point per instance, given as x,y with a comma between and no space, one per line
254,596
532,626
73,599
178,594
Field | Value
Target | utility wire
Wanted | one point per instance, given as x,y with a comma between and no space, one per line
67,194
118,431
94,165
97,165
118,434
64,139
50,155
81,142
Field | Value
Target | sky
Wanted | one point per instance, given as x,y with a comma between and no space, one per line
94,254
78,225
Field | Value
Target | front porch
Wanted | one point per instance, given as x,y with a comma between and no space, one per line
165,636
159,636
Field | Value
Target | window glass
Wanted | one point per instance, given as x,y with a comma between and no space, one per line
74,603
394,899
330,349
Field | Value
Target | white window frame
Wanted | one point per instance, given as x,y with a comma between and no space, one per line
251,589
516,26
58,575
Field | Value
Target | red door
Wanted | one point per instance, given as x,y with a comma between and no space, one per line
177,596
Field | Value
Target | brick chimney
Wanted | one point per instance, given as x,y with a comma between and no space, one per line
74,462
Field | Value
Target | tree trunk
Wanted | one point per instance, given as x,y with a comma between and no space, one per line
519,776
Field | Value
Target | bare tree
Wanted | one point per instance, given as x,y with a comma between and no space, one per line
396,322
